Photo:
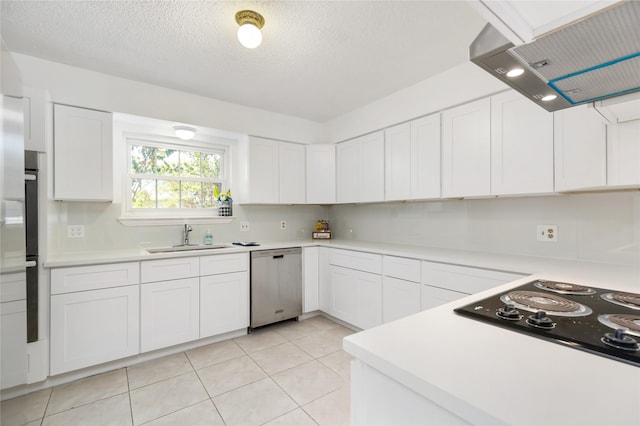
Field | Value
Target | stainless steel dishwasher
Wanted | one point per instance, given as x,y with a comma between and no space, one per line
276,285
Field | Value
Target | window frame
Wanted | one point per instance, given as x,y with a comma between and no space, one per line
135,216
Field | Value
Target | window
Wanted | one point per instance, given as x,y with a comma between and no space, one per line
170,177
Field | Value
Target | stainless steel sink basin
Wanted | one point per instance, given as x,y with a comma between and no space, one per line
186,248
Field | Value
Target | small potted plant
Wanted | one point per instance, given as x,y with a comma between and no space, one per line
224,200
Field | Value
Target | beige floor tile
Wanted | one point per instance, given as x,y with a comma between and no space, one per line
296,417
331,410
33,423
279,358
229,375
159,399
309,381
214,353
203,413
158,370
254,404
87,390
293,330
259,339
24,409
110,411
321,322
323,343
340,362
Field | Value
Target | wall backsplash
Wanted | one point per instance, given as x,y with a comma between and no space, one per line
104,232
599,227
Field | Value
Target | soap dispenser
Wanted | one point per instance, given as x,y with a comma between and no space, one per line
208,238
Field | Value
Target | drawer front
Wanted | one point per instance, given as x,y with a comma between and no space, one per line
464,279
401,267
81,278
169,269
224,263
13,287
366,262
435,296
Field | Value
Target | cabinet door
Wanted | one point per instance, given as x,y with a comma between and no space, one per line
344,293
521,146
579,149
311,274
13,344
37,119
397,158
224,303
321,174
169,313
292,173
347,171
371,167
400,298
357,297
92,327
436,296
83,154
623,154
263,171
425,157
466,150
325,291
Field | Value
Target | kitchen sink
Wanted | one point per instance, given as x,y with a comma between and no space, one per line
186,248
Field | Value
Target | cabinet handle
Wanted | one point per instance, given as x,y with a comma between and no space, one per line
280,256
30,263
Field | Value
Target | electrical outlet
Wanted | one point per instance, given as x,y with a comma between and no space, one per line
547,233
283,224
75,231
244,226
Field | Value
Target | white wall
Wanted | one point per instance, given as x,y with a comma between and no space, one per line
89,89
458,85
599,227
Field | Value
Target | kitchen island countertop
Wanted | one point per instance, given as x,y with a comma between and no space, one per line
489,375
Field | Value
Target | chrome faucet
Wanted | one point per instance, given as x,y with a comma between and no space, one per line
185,239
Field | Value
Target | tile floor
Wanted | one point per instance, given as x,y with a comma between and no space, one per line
292,373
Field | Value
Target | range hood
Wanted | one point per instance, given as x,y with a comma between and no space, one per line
592,59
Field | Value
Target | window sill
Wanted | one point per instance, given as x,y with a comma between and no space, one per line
167,221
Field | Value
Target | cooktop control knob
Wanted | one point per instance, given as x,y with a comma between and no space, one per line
540,320
621,340
509,312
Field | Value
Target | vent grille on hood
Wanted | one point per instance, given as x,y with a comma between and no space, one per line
592,59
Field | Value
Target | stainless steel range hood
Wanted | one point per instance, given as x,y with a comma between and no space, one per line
592,59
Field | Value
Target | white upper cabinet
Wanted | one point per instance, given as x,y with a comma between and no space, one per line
360,169
83,154
521,146
425,157
275,172
580,149
623,154
321,174
466,150
397,157
291,166
37,119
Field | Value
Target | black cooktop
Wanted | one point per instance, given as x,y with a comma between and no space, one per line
600,321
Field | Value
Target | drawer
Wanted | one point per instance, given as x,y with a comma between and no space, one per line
401,267
358,260
435,296
464,279
80,278
13,287
169,269
224,263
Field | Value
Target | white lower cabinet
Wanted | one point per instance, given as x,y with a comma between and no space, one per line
400,298
224,303
169,313
92,327
13,349
355,296
310,279
436,296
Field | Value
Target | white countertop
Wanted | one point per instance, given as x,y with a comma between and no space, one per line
487,374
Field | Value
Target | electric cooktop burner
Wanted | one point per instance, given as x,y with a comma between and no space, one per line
595,320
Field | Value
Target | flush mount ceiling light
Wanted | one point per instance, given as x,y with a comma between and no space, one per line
515,72
185,133
548,98
250,23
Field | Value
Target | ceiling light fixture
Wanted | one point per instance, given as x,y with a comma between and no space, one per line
185,133
250,23
515,72
548,98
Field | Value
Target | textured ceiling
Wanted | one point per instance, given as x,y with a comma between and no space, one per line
318,59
